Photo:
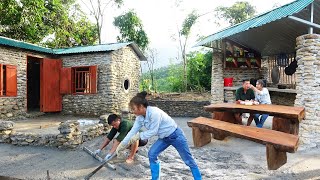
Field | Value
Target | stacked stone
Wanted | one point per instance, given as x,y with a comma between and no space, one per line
308,87
125,114
113,70
92,132
6,129
229,96
239,74
30,139
178,108
70,135
104,121
217,93
14,107
23,139
9,109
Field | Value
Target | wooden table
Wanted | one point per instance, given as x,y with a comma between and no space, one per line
286,118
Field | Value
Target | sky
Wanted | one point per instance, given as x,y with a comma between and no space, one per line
161,20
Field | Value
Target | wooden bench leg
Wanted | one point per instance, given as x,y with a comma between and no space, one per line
200,138
275,158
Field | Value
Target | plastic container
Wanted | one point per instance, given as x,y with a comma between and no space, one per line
228,82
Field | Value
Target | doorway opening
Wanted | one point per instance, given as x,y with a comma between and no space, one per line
33,84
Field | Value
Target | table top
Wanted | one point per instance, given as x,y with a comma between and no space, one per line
289,112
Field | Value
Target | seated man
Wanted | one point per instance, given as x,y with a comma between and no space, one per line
263,97
123,127
242,94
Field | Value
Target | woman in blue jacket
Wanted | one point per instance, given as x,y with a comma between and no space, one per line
158,123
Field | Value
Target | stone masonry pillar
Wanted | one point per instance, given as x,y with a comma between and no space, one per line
308,88
217,92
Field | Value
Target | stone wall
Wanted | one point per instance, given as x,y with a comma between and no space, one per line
70,136
239,75
308,87
217,82
113,69
182,108
11,107
282,98
15,107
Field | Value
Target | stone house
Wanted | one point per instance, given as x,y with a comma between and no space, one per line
86,80
267,46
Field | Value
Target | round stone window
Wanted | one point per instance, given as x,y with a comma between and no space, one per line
126,84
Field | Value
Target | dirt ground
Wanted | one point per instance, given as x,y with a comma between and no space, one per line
232,158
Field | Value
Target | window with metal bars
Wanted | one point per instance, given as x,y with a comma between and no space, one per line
82,80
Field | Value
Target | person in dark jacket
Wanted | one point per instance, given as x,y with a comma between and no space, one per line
243,94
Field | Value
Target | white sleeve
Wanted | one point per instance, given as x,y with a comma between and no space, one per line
155,119
134,130
263,92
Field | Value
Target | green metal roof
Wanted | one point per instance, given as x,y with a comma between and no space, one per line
100,48
257,21
93,48
23,45
72,50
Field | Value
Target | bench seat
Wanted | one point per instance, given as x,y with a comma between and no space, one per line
277,143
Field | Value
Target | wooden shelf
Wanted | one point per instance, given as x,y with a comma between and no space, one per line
238,56
247,62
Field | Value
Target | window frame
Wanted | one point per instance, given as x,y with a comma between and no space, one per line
90,85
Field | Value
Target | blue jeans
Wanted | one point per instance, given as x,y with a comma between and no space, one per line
260,121
178,140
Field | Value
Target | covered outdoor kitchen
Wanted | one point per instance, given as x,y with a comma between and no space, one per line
282,47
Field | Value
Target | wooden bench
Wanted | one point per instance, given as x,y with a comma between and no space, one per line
277,143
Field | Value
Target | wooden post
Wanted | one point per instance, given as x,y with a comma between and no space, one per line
250,119
275,158
200,138
219,135
225,116
285,125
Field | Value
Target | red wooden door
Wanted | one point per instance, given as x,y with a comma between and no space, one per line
50,97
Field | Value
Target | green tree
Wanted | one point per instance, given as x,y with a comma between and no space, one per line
238,12
175,78
131,29
32,21
97,9
183,40
152,56
77,30
199,70
25,20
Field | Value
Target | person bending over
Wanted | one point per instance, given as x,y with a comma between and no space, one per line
158,123
122,127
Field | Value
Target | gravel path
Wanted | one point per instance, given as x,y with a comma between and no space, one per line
229,159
